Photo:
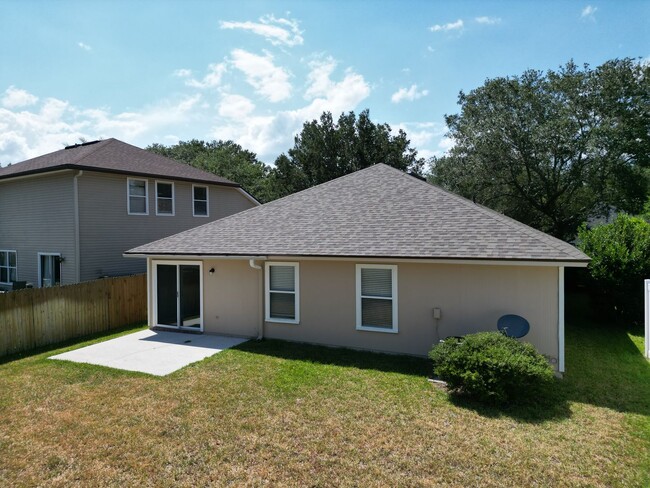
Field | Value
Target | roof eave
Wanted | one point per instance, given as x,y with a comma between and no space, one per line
114,171
576,263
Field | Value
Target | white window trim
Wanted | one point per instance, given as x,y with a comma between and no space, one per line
9,267
393,268
207,200
267,292
173,199
146,196
55,254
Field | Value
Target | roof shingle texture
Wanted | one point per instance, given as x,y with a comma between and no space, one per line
376,212
111,155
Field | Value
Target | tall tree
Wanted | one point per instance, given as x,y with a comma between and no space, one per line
224,158
325,150
553,149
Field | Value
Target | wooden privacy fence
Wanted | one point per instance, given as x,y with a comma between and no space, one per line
40,316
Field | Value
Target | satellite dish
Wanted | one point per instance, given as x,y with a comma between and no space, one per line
513,326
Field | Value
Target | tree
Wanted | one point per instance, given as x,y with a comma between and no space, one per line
553,149
325,150
224,158
620,254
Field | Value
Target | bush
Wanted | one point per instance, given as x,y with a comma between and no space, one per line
491,367
620,254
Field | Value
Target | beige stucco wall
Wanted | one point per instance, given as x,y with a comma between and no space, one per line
232,298
471,298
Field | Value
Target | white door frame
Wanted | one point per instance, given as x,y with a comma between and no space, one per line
40,271
154,292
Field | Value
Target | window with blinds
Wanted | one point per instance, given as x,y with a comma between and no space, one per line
377,297
282,298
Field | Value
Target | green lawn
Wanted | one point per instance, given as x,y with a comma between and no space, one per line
283,414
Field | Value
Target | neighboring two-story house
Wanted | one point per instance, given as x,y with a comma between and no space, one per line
68,216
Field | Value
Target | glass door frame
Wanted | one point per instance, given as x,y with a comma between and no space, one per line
55,262
154,292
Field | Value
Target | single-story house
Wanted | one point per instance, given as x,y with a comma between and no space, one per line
375,260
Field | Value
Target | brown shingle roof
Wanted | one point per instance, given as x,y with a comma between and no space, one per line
112,156
377,212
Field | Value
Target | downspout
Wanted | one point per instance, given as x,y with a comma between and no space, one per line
260,321
75,190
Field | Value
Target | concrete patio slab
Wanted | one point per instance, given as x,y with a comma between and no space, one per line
154,352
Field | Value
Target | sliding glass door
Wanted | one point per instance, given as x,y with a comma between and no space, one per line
178,292
49,269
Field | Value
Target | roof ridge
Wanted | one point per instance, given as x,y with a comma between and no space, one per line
99,146
554,242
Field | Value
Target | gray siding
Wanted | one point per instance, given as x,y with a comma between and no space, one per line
37,215
106,229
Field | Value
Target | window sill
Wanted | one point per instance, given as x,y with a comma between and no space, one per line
377,329
281,321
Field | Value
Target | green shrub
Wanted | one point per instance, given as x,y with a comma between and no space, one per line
490,367
620,254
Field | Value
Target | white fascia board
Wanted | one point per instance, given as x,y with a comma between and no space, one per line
195,257
487,262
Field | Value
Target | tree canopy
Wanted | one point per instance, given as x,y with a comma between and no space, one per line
325,150
224,158
553,149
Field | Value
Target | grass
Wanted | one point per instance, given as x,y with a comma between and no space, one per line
275,413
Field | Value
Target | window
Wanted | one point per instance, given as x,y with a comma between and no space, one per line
137,197
8,268
49,269
377,297
164,198
199,201
282,295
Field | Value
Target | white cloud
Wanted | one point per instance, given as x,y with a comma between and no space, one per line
421,135
183,73
276,31
15,97
84,46
210,80
269,81
409,94
447,27
589,12
235,107
488,20
269,135
54,123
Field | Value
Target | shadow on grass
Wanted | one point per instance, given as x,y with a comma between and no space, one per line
604,366
548,404
338,357
76,341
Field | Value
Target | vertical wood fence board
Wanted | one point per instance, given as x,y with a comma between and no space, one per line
37,317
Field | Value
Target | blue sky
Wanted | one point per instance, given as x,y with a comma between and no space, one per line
161,71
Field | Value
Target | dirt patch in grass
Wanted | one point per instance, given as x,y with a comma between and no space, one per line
281,414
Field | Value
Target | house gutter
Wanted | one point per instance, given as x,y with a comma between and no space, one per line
77,252
260,314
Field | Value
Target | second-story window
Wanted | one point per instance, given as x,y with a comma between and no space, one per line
137,193
200,201
164,198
